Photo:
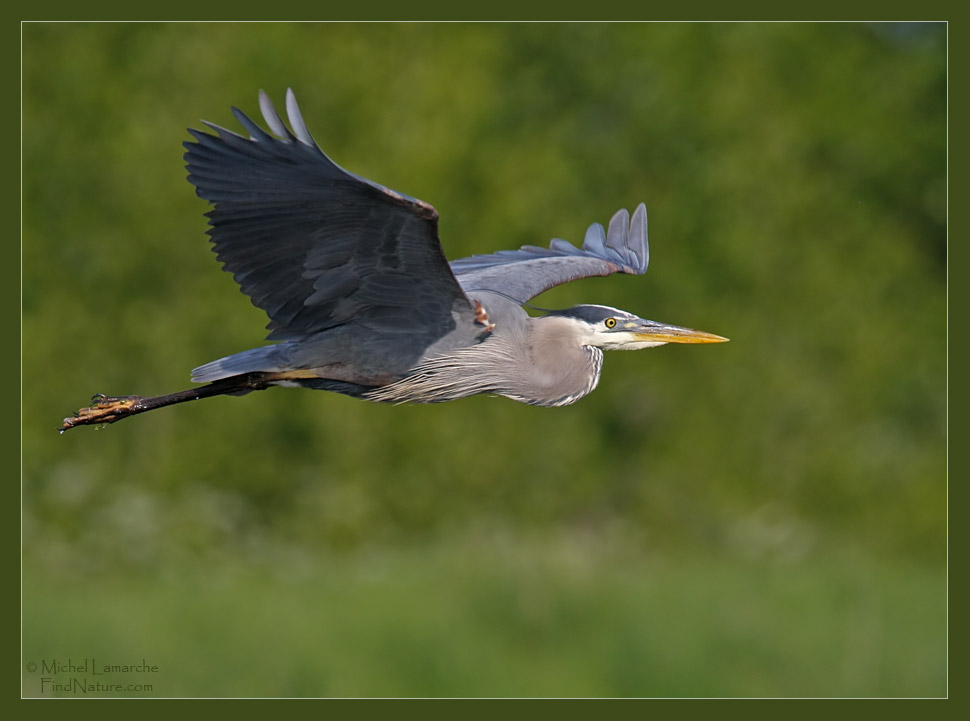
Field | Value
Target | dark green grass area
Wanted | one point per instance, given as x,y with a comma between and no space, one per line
502,618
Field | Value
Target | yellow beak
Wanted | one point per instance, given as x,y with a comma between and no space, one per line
663,333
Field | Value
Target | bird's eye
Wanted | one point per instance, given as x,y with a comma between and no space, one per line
610,322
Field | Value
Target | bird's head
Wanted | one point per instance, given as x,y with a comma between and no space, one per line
601,326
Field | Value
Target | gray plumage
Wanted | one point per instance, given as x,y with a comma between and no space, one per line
362,299
525,273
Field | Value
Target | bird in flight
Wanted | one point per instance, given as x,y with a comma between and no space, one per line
362,301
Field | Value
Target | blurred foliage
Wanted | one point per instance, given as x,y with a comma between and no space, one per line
795,176
511,617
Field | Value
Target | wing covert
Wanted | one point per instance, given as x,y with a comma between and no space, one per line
314,245
525,273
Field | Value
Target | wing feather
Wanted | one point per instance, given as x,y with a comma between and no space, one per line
525,273
314,245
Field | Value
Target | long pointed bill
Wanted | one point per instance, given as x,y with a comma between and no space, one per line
661,333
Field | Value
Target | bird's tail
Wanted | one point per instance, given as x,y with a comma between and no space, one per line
268,359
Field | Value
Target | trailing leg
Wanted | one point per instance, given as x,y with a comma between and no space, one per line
108,409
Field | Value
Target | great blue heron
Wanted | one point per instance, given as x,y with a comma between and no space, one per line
363,301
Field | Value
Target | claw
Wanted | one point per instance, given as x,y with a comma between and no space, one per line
103,409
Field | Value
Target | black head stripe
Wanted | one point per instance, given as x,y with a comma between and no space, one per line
590,313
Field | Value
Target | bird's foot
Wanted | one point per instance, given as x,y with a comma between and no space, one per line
103,409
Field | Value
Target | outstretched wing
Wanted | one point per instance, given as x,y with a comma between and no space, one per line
525,273
314,245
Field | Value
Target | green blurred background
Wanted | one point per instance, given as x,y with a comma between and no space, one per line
765,517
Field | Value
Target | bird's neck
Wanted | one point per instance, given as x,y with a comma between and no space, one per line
557,370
